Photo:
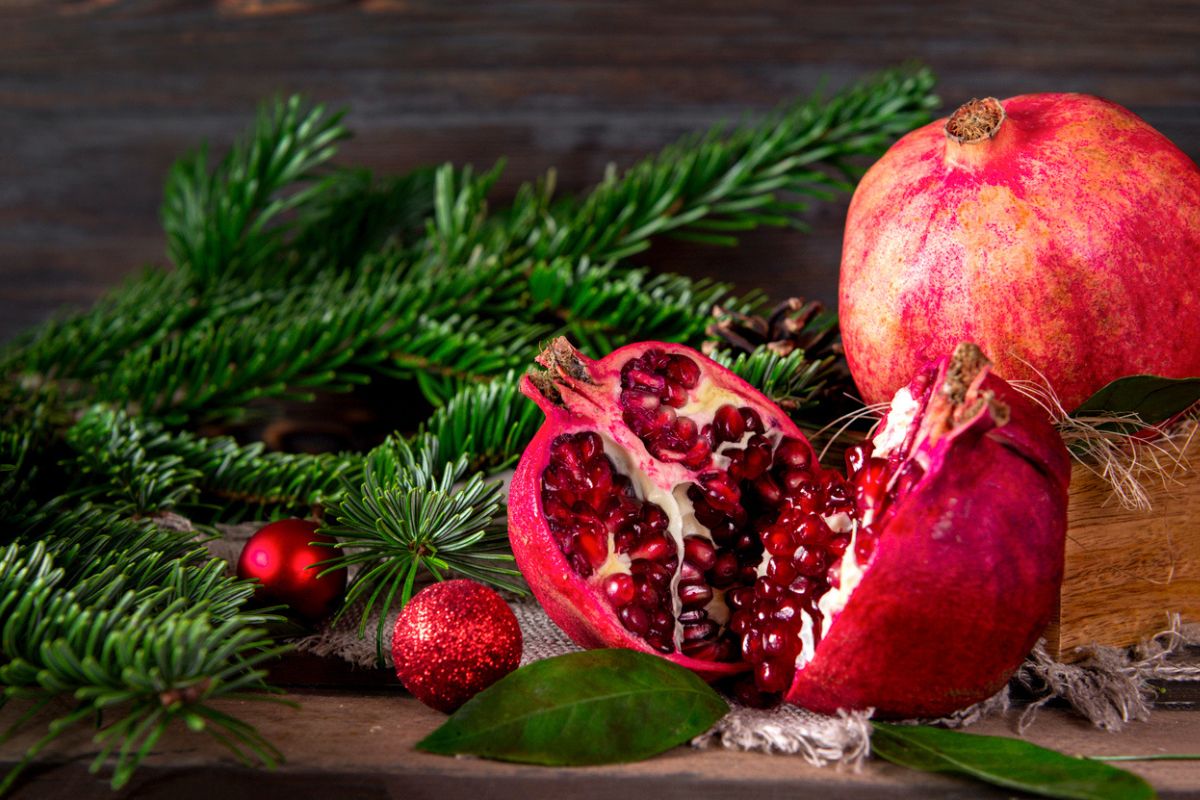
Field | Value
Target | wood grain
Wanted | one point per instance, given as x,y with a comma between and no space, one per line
100,96
1126,570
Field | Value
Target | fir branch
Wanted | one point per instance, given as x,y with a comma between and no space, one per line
408,521
792,382
489,424
713,186
601,308
145,661
233,219
127,453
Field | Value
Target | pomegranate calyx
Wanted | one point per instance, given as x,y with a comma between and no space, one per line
975,121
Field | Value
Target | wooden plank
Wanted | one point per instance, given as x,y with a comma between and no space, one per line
100,96
1126,570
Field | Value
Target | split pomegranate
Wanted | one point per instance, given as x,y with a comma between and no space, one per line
1058,231
667,506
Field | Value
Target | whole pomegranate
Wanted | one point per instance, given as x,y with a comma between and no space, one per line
1058,231
666,506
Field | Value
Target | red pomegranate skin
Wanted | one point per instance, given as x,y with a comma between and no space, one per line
1069,240
950,603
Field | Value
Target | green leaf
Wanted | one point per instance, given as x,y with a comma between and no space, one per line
1011,763
596,707
1152,398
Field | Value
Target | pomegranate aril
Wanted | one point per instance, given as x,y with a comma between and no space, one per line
698,455
674,395
768,491
648,596
683,371
722,495
746,692
724,570
635,619
857,456
810,561
751,419
641,379
690,573
813,530
654,519
778,541
728,425
692,615
787,608
653,547
662,623
700,631
773,676
554,508
694,594
620,589
741,597
594,547
706,650
864,545
793,454
775,641
781,571
758,457
700,552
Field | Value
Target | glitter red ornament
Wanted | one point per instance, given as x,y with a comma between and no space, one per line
452,641
281,557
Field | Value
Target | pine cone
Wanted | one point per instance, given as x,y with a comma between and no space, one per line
791,325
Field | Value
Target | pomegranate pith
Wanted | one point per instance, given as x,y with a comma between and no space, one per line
666,506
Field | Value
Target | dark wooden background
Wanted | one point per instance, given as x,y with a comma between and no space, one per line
98,97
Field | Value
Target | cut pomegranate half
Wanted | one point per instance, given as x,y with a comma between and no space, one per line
667,506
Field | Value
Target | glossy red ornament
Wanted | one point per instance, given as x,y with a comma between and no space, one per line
452,641
282,558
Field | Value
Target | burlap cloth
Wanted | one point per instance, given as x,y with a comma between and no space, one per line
1108,686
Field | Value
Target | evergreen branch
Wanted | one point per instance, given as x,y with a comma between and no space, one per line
729,181
601,308
126,453
407,518
792,382
488,423
233,219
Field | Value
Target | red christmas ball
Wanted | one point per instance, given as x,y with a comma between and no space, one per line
282,558
452,641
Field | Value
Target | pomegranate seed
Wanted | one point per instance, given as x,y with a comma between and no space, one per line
838,544
594,547
635,619
721,494
652,547
662,622
746,692
752,420
864,547
685,429
768,490
700,631
683,370
554,509
774,641
779,542
728,425
700,552
752,646
724,570
647,596
781,570
758,457
773,676
857,456
654,519
698,455
641,379
690,615
810,561
724,532
788,607
737,463
694,594
765,589
620,589
590,445
813,530
740,597
740,624
793,454
801,587
690,573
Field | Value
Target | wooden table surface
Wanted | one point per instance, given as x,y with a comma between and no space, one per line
99,96
355,745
